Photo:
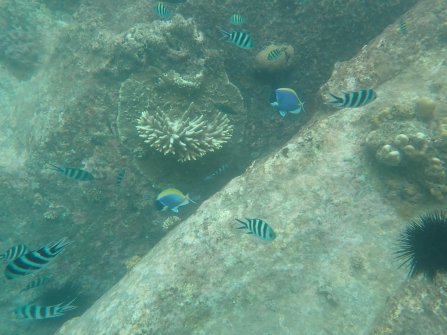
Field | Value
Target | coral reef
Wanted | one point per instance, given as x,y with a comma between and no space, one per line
188,138
282,62
170,222
21,37
403,139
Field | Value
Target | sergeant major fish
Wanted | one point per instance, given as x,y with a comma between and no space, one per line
238,38
172,199
259,228
39,281
287,101
237,19
34,260
14,252
73,173
217,173
161,10
353,99
119,177
275,54
36,312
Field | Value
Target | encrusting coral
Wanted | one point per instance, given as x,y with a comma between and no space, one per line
189,137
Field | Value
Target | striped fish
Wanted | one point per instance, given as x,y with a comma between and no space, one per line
275,54
36,312
238,38
34,260
259,228
217,173
353,99
39,281
161,10
119,177
14,252
403,26
73,173
237,19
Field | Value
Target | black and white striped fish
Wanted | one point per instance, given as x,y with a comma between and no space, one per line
259,228
119,177
36,312
39,281
238,38
163,12
34,260
275,54
14,252
221,170
353,99
237,19
73,173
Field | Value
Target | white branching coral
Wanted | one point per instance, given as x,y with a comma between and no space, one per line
188,137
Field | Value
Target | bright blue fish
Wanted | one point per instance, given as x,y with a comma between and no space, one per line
172,199
287,101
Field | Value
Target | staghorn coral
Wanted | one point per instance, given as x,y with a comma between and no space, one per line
188,138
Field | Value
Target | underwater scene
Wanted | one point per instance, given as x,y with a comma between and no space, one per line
182,167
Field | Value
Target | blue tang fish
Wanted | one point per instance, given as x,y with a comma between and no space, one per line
287,101
172,199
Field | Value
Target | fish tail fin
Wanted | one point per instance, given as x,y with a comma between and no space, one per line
224,34
244,224
66,306
55,167
334,100
187,197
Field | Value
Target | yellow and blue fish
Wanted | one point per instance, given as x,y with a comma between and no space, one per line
287,101
171,199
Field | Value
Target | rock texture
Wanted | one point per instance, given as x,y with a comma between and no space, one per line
331,268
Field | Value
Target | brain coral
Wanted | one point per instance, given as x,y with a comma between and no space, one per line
188,137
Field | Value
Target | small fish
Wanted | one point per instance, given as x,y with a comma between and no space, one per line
403,26
225,109
237,19
36,312
14,252
39,281
34,260
119,177
172,199
259,228
162,11
73,173
217,173
238,38
287,101
275,54
353,99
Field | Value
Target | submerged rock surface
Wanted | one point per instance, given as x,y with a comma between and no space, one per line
331,268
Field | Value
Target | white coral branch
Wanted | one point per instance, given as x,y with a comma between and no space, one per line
188,137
